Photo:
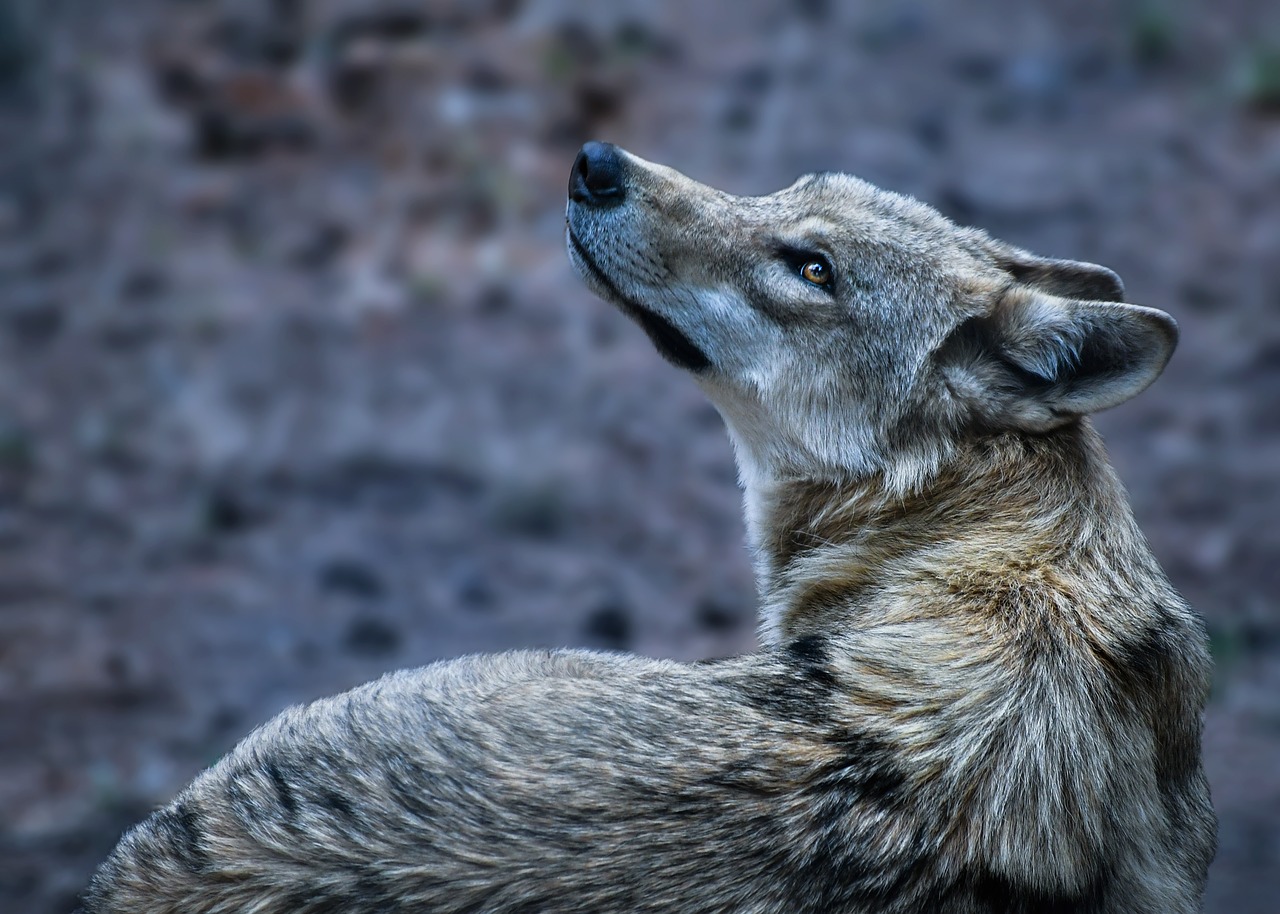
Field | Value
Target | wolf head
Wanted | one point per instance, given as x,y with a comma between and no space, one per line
844,331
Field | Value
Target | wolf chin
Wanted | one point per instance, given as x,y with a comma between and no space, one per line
976,690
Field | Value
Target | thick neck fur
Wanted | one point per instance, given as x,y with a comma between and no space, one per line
1007,627
1018,511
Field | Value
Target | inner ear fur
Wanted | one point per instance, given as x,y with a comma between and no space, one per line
1065,278
1036,361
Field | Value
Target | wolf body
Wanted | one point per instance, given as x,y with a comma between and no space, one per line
976,690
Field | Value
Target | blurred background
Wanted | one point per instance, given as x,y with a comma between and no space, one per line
297,386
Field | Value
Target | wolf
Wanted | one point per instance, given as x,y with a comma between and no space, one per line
976,691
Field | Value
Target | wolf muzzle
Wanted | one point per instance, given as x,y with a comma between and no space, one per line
598,181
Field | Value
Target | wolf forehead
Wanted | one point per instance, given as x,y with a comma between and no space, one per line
841,210
849,218
857,206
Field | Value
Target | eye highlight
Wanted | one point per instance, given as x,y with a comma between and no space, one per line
811,266
817,272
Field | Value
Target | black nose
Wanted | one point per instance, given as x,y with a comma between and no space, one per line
597,176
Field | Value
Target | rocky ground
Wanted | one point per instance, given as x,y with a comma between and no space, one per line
296,385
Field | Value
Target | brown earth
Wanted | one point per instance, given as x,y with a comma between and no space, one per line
296,385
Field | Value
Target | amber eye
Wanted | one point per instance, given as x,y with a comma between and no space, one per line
816,272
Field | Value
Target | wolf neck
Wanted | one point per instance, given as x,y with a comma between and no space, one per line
1007,507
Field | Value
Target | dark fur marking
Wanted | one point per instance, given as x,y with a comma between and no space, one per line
810,653
809,649
798,698
243,795
284,793
178,828
409,785
867,766
801,689
338,803
993,893
864,767
1147,665
844,872
1147,655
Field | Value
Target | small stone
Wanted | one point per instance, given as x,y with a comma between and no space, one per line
353,578
371,636
610,625
716,616
473,590
227,512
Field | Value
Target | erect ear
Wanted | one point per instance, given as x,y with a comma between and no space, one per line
1067,278
1037,361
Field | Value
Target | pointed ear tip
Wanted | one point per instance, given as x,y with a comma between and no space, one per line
1163,339
1160,322
1112,278
1165,325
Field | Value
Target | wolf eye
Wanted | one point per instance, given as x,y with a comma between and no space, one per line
817,272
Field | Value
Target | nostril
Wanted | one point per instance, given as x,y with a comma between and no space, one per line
598,175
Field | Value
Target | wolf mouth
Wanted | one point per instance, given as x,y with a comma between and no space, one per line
670,342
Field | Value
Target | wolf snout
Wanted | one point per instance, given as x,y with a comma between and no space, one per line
598,176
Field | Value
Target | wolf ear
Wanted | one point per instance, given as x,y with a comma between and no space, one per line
1037,361
1067,278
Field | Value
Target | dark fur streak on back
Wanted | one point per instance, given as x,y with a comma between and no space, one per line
335,801
284,793
796,695
178,826
867,765
852,874
810,652
409,784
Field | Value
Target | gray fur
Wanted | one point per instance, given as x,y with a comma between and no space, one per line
977,691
